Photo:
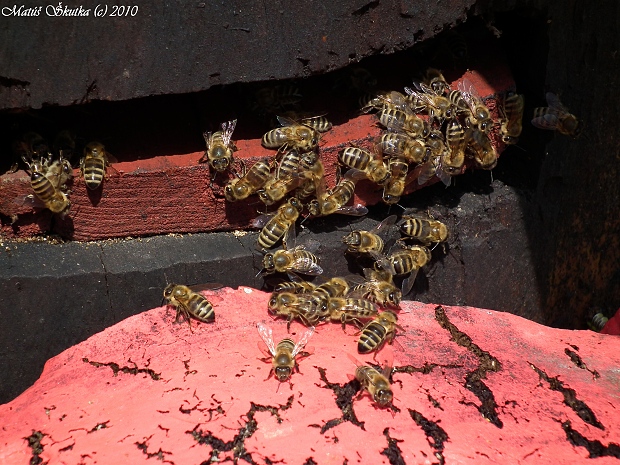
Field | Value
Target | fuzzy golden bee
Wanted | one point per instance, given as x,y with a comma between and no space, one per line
378,286
402,146
281,225
300,259
369,242
189,303
405,259
479,116
220,148
556,117
511,123
424,229
350,309
283,354
305,307
253,180
94,164
371,164
48,192
334,200
377,332
375,382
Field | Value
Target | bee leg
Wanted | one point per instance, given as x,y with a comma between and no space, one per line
212,179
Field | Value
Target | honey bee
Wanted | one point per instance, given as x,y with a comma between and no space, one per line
59,173
485,154
454,156
270,100
220,148
288,165
598,322
512,117
438,107
300,259
371,164
94,164
557,117
275,189
296,286
377,332
278,226
394,188
479,116
431,168
333,287
369,242
378,287
459,103
189,303
373,101
350,309
334,200
425,230
46,190
407,259
375,382
311,170
283,354
292,134
404,120
304,307
249,183
435,80
402,146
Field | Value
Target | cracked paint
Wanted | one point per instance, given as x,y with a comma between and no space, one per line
153,392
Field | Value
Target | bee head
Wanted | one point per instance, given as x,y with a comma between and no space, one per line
282,373
383,397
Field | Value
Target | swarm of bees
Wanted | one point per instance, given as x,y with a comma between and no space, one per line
51,171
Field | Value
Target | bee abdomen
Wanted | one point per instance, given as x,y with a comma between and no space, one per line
94,171
42,186
372,337
201,308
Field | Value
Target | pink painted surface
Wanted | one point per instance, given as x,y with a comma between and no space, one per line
613,325
209,385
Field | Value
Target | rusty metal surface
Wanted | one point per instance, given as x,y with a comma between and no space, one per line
180,47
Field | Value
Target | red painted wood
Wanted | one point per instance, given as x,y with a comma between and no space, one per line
208,378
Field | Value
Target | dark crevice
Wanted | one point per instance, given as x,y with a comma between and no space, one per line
99,426
473,379
159,455
570,398
344,401
435,434
130,370
366,8
34,442
11,82
237,444
576,359
595,448
392,451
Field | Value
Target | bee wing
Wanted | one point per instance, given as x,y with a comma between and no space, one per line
385,225
408,282
353,210
554,103
303,340
546,121
306,266
311,245
387,362
398,100
443,176
262,220
227,130
290,236
421,96
267,336
427,172
205,287
355,361
286,121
